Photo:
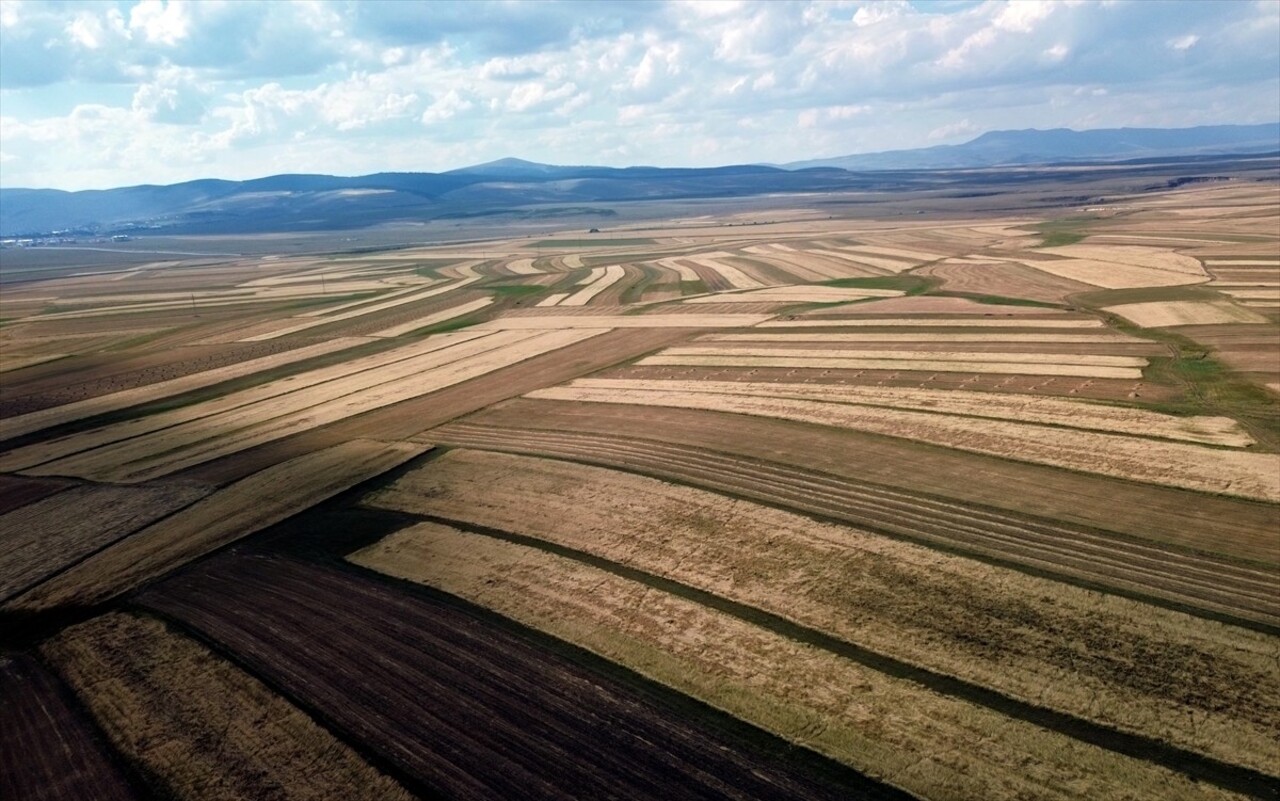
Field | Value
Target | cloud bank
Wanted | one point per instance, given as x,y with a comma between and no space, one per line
98,94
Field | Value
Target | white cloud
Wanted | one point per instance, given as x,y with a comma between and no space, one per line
160,21
953,130
1183,43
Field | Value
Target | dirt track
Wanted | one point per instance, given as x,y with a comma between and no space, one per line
469,710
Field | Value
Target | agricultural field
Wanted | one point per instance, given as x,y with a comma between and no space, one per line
786,500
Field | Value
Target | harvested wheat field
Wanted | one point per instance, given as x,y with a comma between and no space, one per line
1190,312
1174,464
766,559
798,691
200,727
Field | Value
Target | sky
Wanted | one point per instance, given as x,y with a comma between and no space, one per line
102,94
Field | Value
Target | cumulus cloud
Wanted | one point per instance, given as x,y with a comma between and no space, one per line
243,88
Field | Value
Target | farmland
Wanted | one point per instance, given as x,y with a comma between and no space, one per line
765,499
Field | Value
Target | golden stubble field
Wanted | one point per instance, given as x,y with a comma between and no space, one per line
820,474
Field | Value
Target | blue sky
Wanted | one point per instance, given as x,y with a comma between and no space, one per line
100,94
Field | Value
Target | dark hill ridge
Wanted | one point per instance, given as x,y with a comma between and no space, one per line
1063,145
318,202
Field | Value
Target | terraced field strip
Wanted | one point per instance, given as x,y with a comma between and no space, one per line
48,750
89,407
796,294
523,267
433,319
607,277
231,513
1175,464
934,322
798,691
1062,550
1110,274
42,538
985,634
1084,366
474,712
200,727
1150,257
203,439
10,362
735,277
559,322
363,310
1064,338
329,310
1082,414
369,370
552,300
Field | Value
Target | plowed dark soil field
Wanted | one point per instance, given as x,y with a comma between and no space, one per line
466,709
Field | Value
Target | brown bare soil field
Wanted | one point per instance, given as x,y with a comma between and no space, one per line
797,691
471,711
1248,475
199,727
431,319
1194,683
46,418
48,751
234,512
1208,524
42,538
18,491
1006,279
796,294
10,362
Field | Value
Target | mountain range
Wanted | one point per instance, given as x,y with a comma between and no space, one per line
523,188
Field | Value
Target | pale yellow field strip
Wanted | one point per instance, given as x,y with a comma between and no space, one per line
737,278
363,310
523,267
432,319
1185,312
626,321
901,253
1111,275
1173,464
77,410
10,362
47,451
173,450
1254,293
1155,258
234,512
843,363
573,261
465,270
805,268
872,260
990,625
175,305
595,274
150,300
686,272
798,692
1261,282
552,300
608,277
1087,359
933,322
1227,263
796,294
1188,466
1064,338
361,302
1070,413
